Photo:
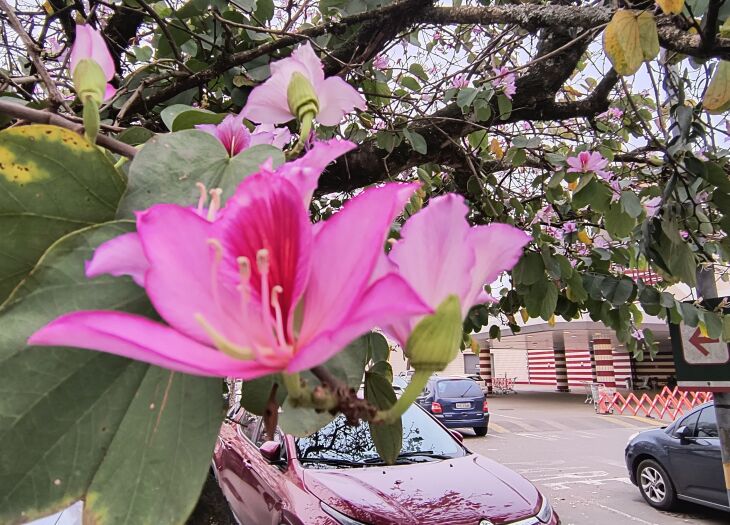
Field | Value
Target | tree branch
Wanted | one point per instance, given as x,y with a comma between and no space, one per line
44,117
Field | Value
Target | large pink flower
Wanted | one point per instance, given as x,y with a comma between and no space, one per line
587,162
258,290
90,44
268,103
441,255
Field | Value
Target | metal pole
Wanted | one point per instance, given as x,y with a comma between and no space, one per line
707,289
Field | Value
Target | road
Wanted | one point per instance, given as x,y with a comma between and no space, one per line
575,457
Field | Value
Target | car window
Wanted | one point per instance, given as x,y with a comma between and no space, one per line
707,424
340,441
248,422
690,421
458,388
262,437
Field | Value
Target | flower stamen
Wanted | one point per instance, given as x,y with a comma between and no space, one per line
202,199
275,291
217,248
244,288
215,203
223,344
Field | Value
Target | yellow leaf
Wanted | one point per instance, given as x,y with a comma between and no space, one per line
573,185
717,96
474,344
583,237
622,43
551,321
648,35
48,8
671,7
525,316
496,149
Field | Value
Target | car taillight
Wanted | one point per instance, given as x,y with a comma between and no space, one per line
436,408
485,408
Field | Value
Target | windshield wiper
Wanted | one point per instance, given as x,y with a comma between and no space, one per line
333,461
406,456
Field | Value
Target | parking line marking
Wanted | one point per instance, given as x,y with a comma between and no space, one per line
619,422
621,513
498,428
524,426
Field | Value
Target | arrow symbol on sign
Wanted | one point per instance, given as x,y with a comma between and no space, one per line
698,340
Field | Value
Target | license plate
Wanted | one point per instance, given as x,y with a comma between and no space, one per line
463,405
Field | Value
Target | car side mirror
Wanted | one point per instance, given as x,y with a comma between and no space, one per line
458,435
683,433
271,451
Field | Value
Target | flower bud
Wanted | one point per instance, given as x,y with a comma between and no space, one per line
434,342
301,97
89,80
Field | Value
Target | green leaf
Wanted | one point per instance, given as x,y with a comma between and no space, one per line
529,270
158,460
377,347
410,83
416,140
504,105
135,135
593,194
619,223
466,96
64,413
189,119
52,182
382,368
170,113
168,167
255,393
631,204
542,299
301,421
388,437
264,10
417,69
617,291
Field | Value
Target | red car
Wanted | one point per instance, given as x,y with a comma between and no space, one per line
335,477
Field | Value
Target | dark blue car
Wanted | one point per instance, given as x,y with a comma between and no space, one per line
457,402
681,461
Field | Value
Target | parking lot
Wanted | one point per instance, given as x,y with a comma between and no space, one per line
576,458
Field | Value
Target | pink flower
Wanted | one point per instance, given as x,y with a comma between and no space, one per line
587,162
505,81
546,214
268,103
437,36
90,44
460,81
381,62
599,241
232,133
257,291
269,134
440,255
569,227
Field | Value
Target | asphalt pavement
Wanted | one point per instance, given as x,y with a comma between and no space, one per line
576,458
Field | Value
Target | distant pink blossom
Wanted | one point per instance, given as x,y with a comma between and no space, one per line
612,114
235,136
587,162
569,227
652,206
437,36
269,134
269,102
505,81
546,214
381,62
599,241
460,81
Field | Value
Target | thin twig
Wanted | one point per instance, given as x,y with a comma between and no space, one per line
44,117
54,94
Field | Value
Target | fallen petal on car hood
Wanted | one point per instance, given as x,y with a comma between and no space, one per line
459,490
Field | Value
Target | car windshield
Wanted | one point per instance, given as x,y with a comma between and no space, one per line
458,388
340,443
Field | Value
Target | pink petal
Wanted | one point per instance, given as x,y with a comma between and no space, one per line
179,281
140,338
266,212
433,254
575,165
121,255
109,92
90,43
388,299
268,103
308,60
304,172
82,45
336,99
497,247
348,246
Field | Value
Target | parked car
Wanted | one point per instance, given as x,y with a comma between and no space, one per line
457,402
679,462
335,476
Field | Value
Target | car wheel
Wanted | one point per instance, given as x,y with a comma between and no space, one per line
655,485
480,431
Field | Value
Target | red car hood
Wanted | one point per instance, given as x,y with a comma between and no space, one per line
456,491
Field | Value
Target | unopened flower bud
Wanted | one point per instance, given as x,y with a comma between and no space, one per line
301,97
434,342
89,81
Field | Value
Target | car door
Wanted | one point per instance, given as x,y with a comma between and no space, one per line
696,464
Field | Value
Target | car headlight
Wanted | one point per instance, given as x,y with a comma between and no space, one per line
340,518
545,514
631,438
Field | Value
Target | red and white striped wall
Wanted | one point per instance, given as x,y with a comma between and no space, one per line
541,367
603,356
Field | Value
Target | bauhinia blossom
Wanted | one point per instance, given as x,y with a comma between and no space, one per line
381,62
588,162
297,84
90,45
505,80
440,255
256,291
235,136
460,81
